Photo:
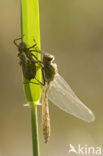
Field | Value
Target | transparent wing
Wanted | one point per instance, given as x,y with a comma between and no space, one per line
63,96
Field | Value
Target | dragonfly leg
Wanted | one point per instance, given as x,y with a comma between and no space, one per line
32,46
32,82
39,82
43,76
16,42
37,59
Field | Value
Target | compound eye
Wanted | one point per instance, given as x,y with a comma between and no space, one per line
51,57
22,46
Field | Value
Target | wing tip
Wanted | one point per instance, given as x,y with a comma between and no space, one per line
91,117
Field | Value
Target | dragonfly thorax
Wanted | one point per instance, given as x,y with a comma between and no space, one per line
50,68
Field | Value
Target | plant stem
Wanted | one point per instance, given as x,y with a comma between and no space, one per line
29,32
34,123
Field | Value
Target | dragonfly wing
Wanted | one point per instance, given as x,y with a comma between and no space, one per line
63,96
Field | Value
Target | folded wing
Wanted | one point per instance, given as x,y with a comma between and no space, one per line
63,96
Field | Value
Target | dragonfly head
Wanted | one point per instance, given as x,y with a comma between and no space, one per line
47,58
22,46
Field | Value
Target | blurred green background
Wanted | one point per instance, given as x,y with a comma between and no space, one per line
72,31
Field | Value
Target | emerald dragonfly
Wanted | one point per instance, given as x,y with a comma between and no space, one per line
54,87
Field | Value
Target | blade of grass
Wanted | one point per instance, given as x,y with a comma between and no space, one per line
30,32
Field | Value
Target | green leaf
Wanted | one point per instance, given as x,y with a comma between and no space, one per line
29,33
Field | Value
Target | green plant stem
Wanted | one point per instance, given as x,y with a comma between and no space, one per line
29,32
34,122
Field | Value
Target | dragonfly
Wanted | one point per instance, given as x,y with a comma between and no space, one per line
60,93
54,87
49,73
